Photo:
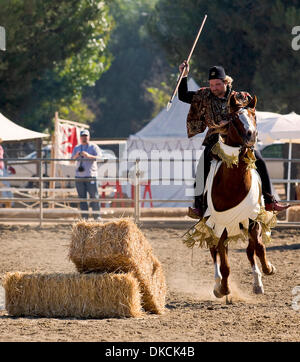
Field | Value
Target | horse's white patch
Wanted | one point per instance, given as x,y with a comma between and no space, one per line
246,121
257,280
218,275
256,274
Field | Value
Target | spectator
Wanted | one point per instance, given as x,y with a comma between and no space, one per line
86,155
3,173
1,161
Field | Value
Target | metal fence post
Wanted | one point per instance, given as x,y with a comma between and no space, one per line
41,190
288,196
137,192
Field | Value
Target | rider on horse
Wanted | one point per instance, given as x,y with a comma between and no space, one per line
209,107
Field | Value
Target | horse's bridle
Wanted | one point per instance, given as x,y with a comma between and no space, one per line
231,117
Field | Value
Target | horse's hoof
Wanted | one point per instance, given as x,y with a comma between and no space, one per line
273,270
217,293
257,289
217,288
220,291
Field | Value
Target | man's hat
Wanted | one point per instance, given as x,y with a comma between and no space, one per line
217,72
84,132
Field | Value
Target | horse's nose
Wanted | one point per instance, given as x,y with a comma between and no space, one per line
249,136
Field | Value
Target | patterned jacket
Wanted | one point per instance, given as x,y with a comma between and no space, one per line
207,109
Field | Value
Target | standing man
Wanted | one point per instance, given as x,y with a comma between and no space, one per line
1,161
4,173
209,106
86,155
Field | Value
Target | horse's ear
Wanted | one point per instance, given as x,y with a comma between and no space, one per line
234,103
252,103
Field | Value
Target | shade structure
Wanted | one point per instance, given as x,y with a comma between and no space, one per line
165,136
285,128
278,127
168,124
10,131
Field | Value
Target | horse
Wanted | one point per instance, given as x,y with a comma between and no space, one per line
235,207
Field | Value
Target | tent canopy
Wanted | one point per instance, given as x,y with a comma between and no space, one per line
167,131
171,124
10,131
278,127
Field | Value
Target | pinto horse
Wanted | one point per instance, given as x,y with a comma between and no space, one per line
234,192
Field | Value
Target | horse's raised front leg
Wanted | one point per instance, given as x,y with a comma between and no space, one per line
260,250
218,275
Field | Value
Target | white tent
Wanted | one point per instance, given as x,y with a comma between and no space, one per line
10,131
166,137
167,124
286,128
273,126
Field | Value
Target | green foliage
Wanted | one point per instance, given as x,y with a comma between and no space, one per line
159,96
251,39
120,99
77,111
54,49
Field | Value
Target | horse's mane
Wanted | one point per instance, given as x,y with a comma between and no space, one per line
221,128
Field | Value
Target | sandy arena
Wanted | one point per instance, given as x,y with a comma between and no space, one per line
192,312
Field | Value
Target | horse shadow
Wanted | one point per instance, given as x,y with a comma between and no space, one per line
196,305
276,247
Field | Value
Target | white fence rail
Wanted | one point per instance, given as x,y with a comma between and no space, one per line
136,183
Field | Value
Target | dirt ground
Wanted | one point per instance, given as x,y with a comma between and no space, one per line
192,312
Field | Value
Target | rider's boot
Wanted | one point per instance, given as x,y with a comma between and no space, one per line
271,204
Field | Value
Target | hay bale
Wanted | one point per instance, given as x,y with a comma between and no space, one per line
119,246
294,213
72,295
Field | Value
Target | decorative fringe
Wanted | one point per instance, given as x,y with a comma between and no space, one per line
230,160
250,159
204,236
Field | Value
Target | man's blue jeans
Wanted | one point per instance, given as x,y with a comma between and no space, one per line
91,188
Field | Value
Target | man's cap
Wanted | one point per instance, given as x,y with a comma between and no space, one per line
84,132
216,72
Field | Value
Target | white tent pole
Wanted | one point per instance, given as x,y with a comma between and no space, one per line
54,154
288,196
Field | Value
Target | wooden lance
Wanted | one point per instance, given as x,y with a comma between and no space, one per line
188,59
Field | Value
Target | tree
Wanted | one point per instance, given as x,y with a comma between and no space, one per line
251,39
120,99
54,49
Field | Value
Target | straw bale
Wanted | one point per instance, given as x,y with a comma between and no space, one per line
120,246
294,213
72,295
